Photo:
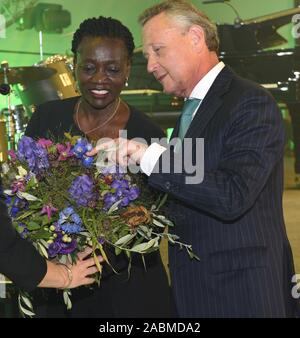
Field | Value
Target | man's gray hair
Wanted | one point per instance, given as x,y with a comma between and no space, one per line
187,15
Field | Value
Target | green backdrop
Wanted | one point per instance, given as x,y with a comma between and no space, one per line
127,11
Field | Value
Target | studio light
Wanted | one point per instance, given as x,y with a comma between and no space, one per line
45,17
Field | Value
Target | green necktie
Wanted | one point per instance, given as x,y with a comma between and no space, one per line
188,110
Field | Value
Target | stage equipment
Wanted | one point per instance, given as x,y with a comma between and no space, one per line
60,85
45,17
16,75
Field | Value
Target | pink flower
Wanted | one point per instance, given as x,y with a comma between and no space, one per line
18,185
49,210
64,151
44,143
12,155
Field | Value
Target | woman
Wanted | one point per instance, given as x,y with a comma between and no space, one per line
103,49
21,262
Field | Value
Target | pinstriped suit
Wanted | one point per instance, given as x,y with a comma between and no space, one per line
234,218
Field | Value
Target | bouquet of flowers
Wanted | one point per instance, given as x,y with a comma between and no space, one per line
62,202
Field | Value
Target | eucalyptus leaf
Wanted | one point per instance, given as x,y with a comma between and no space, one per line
124,240
143,247
27,196
114,207
43,250
157,223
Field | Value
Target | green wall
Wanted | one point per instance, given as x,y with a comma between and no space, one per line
127,12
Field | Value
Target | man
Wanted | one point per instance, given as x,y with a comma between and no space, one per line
21,262
234,218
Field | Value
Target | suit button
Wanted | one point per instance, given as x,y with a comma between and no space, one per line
168,185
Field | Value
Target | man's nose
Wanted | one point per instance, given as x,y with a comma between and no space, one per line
151,64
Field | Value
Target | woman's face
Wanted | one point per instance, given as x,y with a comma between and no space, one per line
101,69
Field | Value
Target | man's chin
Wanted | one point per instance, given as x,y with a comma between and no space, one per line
172,91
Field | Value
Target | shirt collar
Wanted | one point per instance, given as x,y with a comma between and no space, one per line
202,87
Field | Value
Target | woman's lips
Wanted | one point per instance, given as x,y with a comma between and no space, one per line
99,93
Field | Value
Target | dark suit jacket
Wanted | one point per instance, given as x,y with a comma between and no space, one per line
234,218
19,260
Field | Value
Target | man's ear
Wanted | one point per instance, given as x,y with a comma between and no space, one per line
197,37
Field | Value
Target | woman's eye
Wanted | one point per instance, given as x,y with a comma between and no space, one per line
113,69
88,68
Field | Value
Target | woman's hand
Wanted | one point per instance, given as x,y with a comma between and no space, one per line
66,276
83,269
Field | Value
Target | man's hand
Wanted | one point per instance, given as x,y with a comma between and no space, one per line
121,151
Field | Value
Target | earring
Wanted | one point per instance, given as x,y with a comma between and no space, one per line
126,82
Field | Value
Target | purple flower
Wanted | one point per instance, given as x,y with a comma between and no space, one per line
122,184
44,142
34,154
54,248
23,231
116,170
82,190
101,240
18,185
12,155
49,210
124,202
17,205
64,151
109,199
60,247
133,193
67,248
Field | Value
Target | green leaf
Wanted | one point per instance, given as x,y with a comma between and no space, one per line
143,247
33,226
45,220
25,215
27,196
114,207
67,299
43,250
157,223
124,240
117,251
40,234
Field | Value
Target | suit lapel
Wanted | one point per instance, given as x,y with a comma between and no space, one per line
211,103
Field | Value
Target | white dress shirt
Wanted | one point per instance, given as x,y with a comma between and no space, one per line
155,150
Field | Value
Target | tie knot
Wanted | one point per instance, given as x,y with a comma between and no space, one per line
190,106
188,109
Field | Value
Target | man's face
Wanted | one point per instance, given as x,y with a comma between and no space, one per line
171,56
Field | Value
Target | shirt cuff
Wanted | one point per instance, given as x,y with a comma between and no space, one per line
151,156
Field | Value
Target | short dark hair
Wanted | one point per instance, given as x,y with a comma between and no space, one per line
103,27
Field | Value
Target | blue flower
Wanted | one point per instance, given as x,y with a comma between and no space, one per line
82,190
69,221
